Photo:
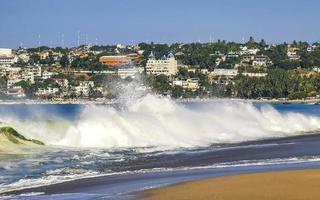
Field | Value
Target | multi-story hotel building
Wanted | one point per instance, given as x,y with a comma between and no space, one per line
167,65
6,57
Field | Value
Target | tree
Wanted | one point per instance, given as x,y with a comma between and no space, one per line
3,82
64,61
177,91
161,84
28,88
251,43
183,73
263,43
251,40
34,58
94,93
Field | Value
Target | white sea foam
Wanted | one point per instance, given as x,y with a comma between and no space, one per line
160,122
67,174
51,177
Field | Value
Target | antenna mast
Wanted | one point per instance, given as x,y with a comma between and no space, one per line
39,41
78,42
62,40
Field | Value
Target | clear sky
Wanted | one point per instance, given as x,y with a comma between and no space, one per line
132,21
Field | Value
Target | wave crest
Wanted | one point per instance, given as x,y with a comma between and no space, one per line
161,122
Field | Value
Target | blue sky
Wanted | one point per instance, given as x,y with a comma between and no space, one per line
132,21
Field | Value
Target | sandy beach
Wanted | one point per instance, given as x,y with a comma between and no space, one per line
282,185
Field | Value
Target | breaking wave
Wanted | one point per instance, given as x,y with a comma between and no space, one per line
153,121
158,121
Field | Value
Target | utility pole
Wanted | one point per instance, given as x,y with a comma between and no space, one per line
211,39
96,41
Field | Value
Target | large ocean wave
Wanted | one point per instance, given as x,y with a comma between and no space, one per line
154,121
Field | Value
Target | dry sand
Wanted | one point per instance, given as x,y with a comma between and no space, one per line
283,185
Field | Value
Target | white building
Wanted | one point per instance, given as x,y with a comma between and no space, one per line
292,53
316,69
12,82
7,57
121,46
311,48
129,72
63,82
246,51
35,70
225,72
167,65
192,83
29,77
10,69
259,75
30,73
5,52
232,54
84,87
261,61
47,91
193,70
24,57
47,75
204,71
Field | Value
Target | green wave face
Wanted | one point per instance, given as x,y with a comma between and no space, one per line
8,134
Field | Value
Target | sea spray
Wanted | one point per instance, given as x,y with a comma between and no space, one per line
153,121
142,119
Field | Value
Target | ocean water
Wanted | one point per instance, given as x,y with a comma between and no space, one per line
154,141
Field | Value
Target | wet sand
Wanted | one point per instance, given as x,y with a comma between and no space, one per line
284,185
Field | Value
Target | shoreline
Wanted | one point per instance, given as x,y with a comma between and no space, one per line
213,164
113,101
141,185
285,185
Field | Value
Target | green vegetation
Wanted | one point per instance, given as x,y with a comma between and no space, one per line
285,75
283,80
278,83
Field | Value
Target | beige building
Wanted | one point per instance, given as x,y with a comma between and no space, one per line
167,65
225,72
131,72
16,92
7,58
292,53
191,83
29,73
